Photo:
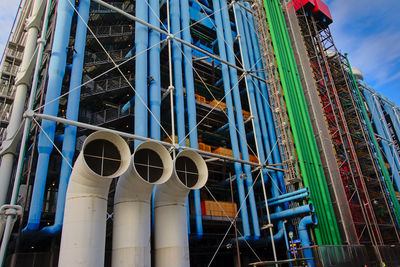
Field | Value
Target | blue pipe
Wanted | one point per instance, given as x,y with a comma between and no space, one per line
141,44
231,121
280,234
256,84
177,60
265,100
239,115
222,128
56,74
292,212
264,132
154,71
200,6
305,240
378,126
303,190
191,101
385,130
246,51
218,83
68,148
285,200
392,114
58,139
391,110
155,84
130,53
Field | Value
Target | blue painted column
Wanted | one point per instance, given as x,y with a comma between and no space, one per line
55,79
190,101
141,97
178,80
68,148
377,120
305,239
265,100
231,120
238,110
154,71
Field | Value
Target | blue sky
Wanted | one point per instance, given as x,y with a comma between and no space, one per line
368,30
8,9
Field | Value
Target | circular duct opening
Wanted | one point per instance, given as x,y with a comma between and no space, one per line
187,171
102,157
314,219
148,164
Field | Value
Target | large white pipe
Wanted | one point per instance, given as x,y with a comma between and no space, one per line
171,242
151,164
104,156
21,88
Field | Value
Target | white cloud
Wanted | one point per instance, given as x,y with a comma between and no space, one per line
368,30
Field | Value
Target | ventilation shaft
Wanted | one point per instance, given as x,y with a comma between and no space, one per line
104,156
150,164
171,244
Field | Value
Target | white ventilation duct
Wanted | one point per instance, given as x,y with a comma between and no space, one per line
151,164
104,156
170,215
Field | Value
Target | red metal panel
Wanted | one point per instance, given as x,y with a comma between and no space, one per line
322,13
308,4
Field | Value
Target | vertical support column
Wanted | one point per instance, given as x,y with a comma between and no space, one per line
231,118
65,11
141,44
68,148
190,101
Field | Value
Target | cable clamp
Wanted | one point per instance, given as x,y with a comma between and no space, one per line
11,210
29,114
41,41
267,226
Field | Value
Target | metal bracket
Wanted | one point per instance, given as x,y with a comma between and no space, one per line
11,210
170,89
267,226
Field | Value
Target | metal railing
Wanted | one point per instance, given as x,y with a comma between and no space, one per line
107,85
97,8
340,256
111,31
107,115
102,57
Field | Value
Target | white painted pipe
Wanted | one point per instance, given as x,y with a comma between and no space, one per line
104,156
22,82
151,164
171,242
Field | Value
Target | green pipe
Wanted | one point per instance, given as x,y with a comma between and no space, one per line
304,112
386,176
299,117
297,113
291,113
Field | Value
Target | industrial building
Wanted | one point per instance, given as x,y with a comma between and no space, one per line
192,133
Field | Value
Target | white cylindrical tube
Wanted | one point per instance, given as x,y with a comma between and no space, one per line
104,156
150,165
170,215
